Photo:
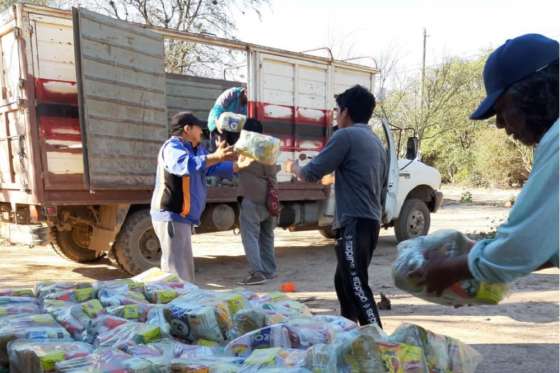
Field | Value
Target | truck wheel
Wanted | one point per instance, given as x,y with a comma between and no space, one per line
137,248
327,232
74,244
413,221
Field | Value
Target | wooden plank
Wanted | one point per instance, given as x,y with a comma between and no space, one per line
123,87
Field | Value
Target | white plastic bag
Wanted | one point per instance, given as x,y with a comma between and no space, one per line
450,243
262,148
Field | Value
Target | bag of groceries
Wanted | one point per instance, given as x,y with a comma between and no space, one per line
262,148
41,356
450,243
230,122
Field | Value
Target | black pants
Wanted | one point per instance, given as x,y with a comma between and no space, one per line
355,243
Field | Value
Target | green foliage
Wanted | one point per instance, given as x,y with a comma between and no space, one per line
466,197
464,151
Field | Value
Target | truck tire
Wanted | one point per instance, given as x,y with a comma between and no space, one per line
327,232
137,248
74,244
413,220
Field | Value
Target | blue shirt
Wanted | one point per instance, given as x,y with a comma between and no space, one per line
227,102
529,238
181,159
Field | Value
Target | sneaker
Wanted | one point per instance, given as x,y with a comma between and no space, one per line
270,276
256,278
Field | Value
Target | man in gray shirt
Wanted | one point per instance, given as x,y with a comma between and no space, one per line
359,161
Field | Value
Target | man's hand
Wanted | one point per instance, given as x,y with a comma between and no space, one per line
440,272
222,153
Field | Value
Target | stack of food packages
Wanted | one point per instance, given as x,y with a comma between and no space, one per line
156,323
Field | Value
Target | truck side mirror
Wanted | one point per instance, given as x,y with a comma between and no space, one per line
412,148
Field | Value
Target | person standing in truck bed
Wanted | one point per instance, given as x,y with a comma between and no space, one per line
358,158
179,196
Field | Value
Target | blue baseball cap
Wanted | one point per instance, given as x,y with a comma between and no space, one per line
515,60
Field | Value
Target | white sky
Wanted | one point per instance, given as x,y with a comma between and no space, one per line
376,27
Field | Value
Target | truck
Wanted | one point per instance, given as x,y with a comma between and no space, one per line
85,103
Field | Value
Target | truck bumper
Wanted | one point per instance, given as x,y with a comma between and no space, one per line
438,200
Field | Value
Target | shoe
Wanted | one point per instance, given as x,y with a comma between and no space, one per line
256,278
270,276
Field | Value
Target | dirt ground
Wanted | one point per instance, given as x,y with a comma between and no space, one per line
519,335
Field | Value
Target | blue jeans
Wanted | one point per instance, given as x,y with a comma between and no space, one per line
257,235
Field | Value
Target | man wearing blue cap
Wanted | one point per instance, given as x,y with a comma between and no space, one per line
521,81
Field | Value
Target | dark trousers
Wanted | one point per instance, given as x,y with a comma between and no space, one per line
355,243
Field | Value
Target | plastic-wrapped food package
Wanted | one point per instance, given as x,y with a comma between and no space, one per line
275,357
127,334
19,309
219,364
105,361
323,358
403,358
247,320
442,353
52,305
101,325
277,335
32,327
230,122
361,354
77,317
263,148
161,353
450,243
73,295
156,316
111,298
121,285
41,356
199,315
165,292
136,312
155,274
17,292
10,300
338,324
47,287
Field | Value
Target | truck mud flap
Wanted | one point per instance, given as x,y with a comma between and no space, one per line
25,234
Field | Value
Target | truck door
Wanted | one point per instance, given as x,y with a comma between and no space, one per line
121,92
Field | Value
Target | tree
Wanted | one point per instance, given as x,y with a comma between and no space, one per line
199,16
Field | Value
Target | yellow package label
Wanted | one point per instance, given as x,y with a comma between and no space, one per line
131,311
92,308
49,360
150,334
491,293
235,303
206,343
23,293
223,316
166,296
263,357
3,311
401,358
42,319
83,294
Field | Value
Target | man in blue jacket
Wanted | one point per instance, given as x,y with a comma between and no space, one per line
180,192
521,80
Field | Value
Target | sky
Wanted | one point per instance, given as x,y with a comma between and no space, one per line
394,28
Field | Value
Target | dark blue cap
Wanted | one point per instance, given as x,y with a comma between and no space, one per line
515,60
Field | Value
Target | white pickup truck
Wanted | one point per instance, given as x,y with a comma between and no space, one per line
84,107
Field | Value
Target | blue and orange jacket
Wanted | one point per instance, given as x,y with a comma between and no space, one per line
180,190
